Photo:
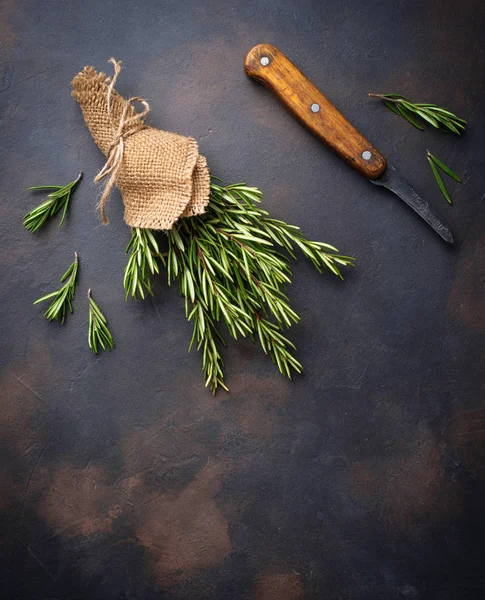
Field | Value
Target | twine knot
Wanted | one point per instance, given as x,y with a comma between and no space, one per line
128,125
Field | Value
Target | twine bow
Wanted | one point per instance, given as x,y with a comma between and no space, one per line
127,126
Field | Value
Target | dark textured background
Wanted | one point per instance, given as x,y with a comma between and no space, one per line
122,477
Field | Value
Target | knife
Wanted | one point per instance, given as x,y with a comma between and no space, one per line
267,64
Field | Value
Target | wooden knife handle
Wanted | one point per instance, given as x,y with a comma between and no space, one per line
271,67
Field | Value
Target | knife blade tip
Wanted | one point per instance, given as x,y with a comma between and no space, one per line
448,236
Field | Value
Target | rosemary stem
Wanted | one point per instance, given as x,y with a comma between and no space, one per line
396,101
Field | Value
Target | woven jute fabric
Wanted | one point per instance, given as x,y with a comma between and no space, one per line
161,175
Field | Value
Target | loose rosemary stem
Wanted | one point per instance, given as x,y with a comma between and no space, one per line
438,117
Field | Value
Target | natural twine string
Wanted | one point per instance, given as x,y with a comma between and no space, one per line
127,126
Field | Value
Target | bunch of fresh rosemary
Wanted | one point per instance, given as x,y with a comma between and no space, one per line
230,266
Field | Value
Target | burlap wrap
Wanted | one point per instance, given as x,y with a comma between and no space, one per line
161,175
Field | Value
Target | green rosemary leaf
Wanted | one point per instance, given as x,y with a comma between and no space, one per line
427,117
392,107
444,168
453,127
57,200
44,187
46,297
408,116
66,204
439,181
64,296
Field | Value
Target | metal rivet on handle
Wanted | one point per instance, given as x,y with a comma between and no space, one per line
264,61
366,155
315,107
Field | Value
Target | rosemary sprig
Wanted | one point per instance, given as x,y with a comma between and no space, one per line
56,200
142,262
62,298
438,117
229,267
98,332
435,163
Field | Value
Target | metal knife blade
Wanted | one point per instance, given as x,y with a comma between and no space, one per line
395,183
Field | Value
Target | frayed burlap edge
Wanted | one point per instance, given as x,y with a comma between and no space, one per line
192,193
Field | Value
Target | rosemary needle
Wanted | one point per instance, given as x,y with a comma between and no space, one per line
64,296
57,199
435,163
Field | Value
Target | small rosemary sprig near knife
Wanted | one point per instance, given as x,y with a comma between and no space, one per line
436,164
438,117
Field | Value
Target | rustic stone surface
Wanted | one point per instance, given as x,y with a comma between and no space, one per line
121,476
